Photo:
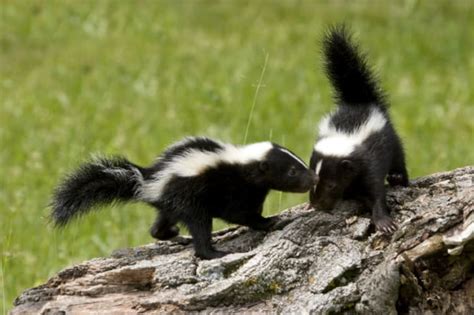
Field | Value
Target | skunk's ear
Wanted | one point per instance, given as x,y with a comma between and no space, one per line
348,165
263,166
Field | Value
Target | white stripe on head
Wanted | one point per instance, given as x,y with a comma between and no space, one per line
248,153
299,160
193,162
318,167
335,142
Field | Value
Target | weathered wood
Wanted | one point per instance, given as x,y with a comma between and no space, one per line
316,262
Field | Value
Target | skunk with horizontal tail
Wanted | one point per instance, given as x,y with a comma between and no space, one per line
192,182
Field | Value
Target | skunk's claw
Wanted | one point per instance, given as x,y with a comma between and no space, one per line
385,224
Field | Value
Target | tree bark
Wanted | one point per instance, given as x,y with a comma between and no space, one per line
316,262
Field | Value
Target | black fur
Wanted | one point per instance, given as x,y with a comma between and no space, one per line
233,192
362,174
102,181
347,69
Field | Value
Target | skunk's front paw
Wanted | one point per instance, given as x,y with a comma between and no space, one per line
211,254
397,179
384,224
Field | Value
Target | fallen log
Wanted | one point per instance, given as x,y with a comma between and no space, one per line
315,262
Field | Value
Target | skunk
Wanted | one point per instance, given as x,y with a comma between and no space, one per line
193,181
357,145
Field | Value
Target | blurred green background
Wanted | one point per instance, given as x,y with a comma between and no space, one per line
131,77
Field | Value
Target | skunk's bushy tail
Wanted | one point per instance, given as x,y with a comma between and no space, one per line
98,182
347,68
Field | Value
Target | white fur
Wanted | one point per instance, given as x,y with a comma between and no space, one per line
334,142
294,157
318,167
325,127
194,162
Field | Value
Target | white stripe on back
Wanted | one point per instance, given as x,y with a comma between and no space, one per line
194,162
334,142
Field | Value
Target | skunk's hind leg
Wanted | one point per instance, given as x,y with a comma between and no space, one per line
164,227
397,174
200,228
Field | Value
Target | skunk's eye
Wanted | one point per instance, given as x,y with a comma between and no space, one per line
292,172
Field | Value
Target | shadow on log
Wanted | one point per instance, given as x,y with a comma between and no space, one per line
318,262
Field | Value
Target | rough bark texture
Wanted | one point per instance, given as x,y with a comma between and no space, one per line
318,262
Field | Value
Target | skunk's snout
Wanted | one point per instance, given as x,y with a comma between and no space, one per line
321,201
312,180
307,181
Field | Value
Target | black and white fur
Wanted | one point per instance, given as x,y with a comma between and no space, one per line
193,181
357,146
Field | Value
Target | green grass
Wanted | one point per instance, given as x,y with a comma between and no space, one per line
131,77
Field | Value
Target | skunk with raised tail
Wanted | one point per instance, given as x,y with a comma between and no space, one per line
357,146
193,181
